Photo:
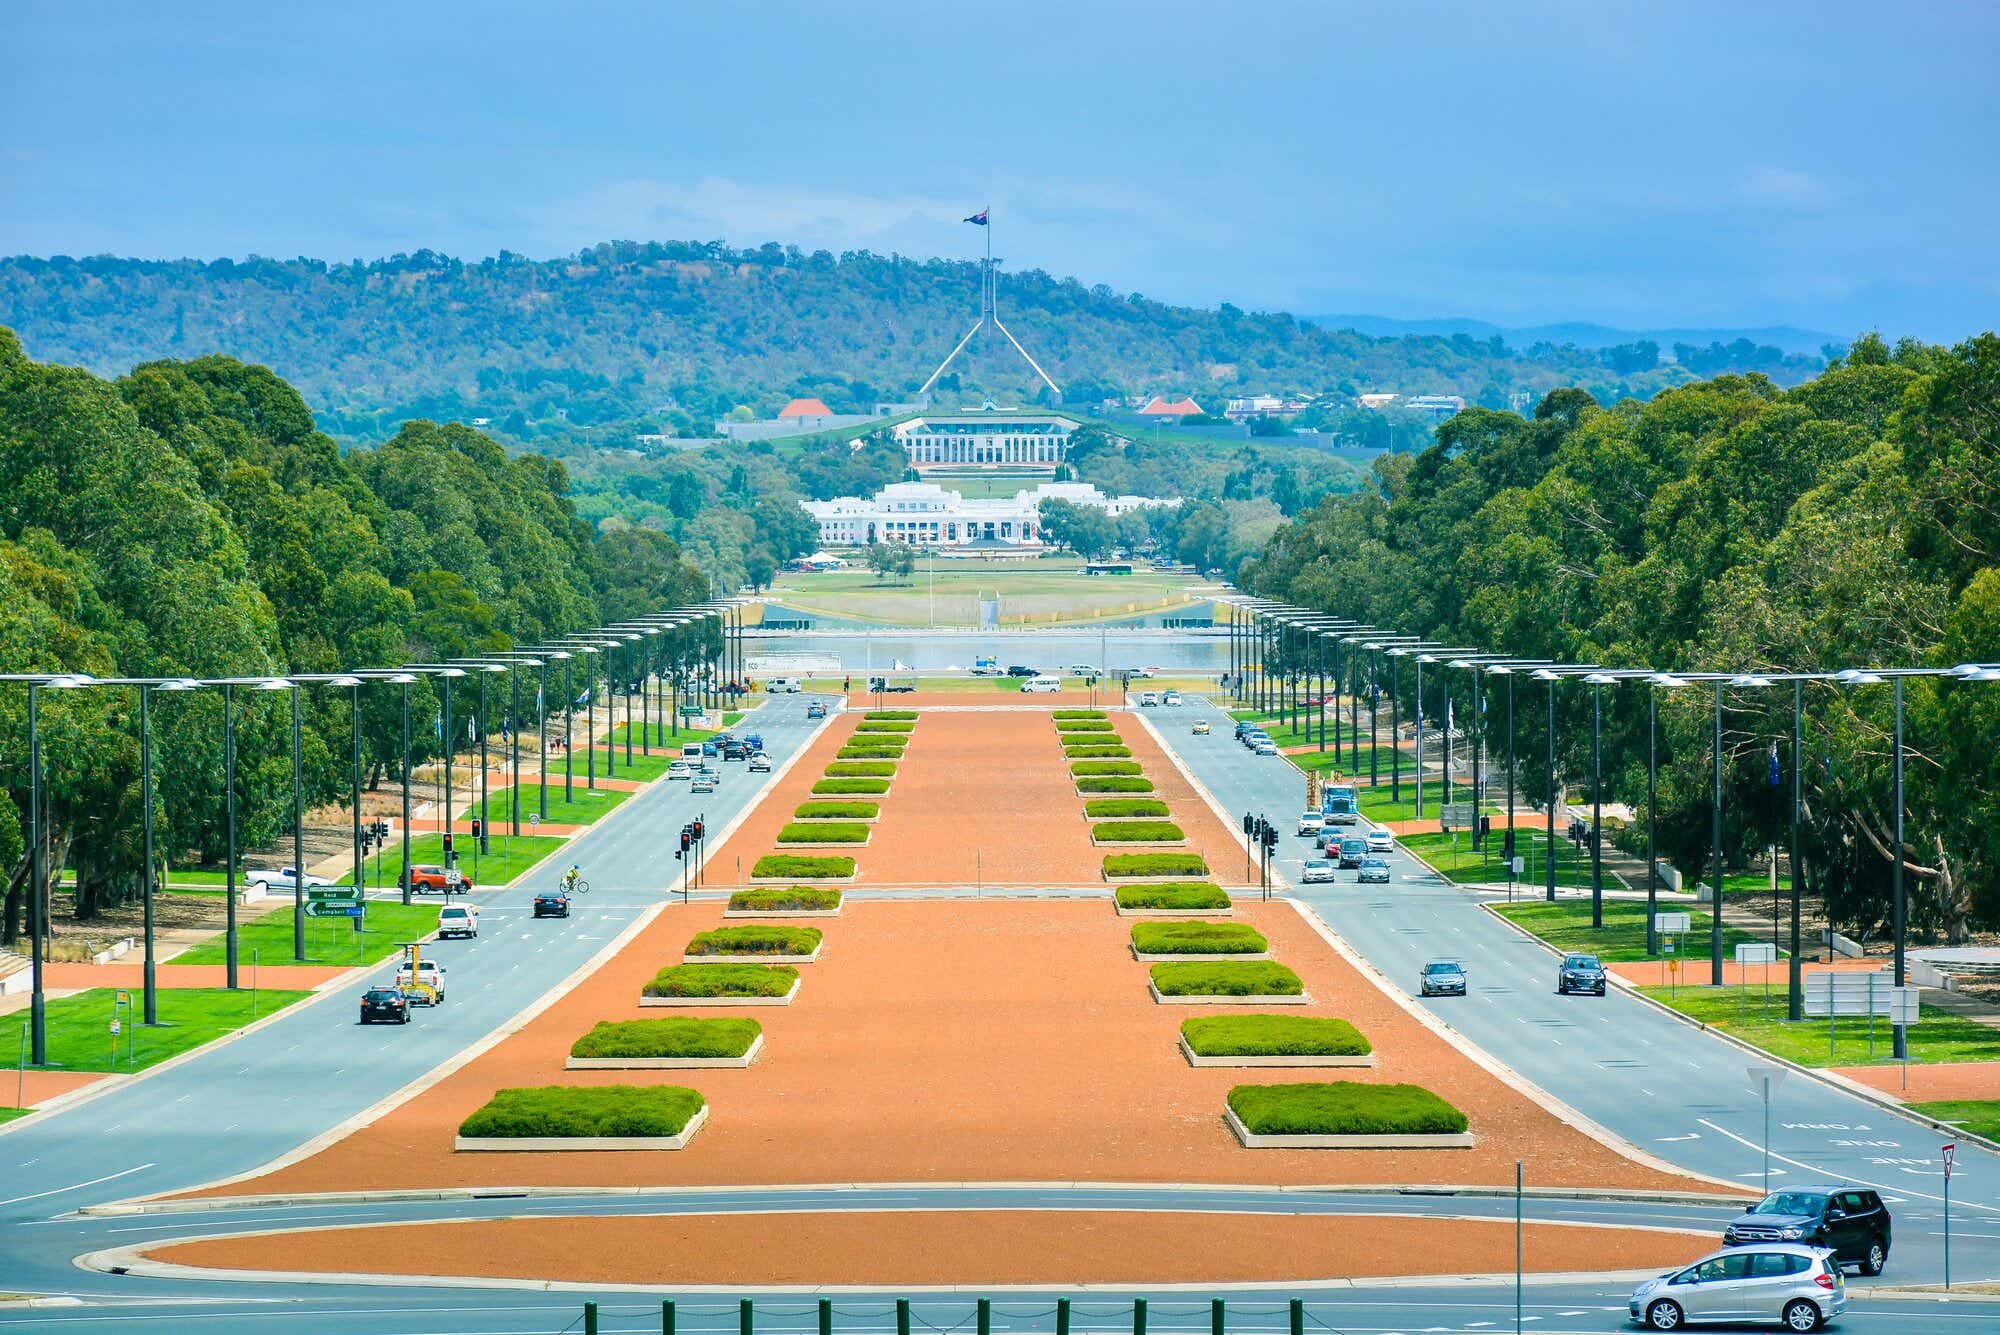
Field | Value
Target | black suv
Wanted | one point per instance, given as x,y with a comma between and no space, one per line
551,904
1580,973
1850,1220
387,1004
1018,671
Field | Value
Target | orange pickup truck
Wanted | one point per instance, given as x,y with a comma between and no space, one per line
438,880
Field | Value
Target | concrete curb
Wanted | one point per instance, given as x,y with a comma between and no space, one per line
1868,1093
145,1205
1507,1075
131,1260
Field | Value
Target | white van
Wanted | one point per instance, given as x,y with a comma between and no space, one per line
1041,685
784,685
691,752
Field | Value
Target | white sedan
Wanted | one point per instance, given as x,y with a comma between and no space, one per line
680,769
1310,824
1319,869
1381,841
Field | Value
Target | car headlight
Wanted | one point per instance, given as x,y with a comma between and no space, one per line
1792,1233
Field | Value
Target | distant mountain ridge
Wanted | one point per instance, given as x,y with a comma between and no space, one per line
628,339
1582,333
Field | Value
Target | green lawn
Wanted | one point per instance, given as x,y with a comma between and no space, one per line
1938,1036
660,731
328,940
80,1024
584,806
1456,861
1566,926
1343,762
9,1114
1346,1108
948,591
1979,1116
577,1110
508,858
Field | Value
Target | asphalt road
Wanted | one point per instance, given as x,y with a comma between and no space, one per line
240,1104
1670,1088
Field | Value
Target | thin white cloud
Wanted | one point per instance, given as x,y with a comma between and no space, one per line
718,207
1785,187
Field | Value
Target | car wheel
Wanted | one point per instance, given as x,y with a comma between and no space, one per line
1878,1256
1665,1315
1801,1314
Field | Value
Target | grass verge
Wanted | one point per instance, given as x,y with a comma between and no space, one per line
873,724
861,769
793,864
722,980
79,1025
1226,978
823,832
1347,1108
836,786
1137,832
1457,861
1062,714
1565,925
1979,1116
1123,808
508,856
331,941
578,1111
1074,726
890,715
1113,783
1197,938
795,899
1938,1036
1154,864
1091,752
1182,895
1097,768
1273,1036
676,1037
758,940
583,807
838,810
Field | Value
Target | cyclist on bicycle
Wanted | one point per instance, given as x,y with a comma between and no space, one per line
570,877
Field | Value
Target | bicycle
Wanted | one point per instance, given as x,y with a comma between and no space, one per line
579,886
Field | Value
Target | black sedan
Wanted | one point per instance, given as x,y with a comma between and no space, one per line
1580,973
551,904
386,1005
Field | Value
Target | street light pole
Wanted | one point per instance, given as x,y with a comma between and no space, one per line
1715,826
1549,853
152,1003
1597,804
1395,728
1795,1007
229,834
406,791
298,832
1900,1031
1652,817
38,884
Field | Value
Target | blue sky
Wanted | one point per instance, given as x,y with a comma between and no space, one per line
1830,165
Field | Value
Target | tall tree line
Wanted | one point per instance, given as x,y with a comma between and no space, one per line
188,519
1730,525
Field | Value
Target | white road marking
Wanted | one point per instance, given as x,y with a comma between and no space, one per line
78,1186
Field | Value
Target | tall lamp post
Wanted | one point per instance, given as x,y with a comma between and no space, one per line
38,877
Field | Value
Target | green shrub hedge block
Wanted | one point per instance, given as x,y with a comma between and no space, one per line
1137,832
1274,1036
1123,808
878,715
1077,725
1094,768
1347,1108
1097,752
1113,783
1154,864
823,832
884,725
677,1037
1173,895
758,940
825,786
585,1110
868,753
1226,978
722,980
838,810
1197,938
1079,713
775,865
861,769
793,899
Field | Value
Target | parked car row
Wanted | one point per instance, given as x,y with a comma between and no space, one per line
1149,699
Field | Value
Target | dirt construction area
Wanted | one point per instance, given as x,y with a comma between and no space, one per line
924,1247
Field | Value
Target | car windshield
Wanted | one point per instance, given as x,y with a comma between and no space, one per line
1441,968
1790,1202
1374,862
383,994
1581,962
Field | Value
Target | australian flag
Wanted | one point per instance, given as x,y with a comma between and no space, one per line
979,219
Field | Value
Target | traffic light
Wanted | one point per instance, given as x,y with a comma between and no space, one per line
447,841
1249,823
687,837
1270,838
700,830
477,828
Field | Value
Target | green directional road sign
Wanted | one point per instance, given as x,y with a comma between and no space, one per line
334,894
321,908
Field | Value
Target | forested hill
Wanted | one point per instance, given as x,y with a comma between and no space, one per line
626,337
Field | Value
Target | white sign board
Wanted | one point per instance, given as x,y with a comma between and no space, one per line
1764,1080
1520,865
1756,952
1850,992
1903,1005
1673,922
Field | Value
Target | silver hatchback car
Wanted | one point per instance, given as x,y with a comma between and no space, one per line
1783,1284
